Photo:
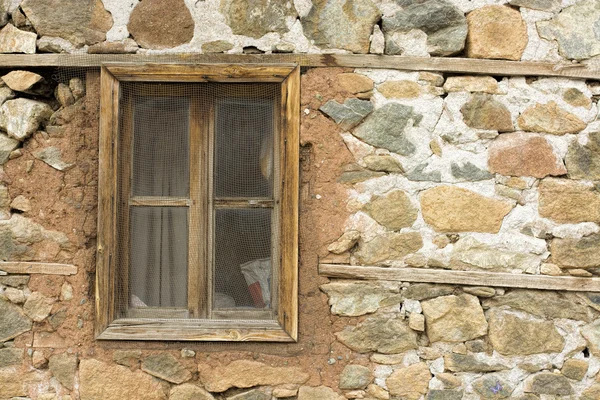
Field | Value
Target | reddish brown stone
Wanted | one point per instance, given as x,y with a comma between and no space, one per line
159,24
523,154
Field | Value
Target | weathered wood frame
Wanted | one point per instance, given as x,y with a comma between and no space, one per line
282,329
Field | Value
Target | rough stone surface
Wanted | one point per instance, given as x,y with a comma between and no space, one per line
549,383
483,84
577,253
575,30
469,172
442,394
549,118
383,163
576,98
156,24
352,177
419,174
344,242
341,24
575,369
167,367
97,381
63,95
409,383
542,5
37,307
129,358
254,394
483,112
512,335
591,393
568,202
591,333
258,17
11,357
355,377
453,209
80,22
243,374
468,363
583,161
400,89
7,145
63,367
217,46
318,393
49,44
126,46
14,40
393,210
22,81
492,387
53,157
496,32
355,83
523,154
187,391
543,303
21,117
6,94
351,299
349,114
385,128
382,333
454,318
388,246
443,23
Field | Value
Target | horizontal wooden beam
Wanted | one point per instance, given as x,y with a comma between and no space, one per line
470,278
21,267
437,64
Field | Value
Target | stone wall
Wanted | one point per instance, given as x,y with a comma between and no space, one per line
548,30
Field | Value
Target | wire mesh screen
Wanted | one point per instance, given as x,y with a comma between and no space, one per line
197,217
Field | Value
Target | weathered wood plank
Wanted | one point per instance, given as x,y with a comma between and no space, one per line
439,64
475,278
23,267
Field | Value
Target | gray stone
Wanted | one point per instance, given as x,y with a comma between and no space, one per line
6,94
424,291
382,163
442,394
166,367
11,357
158,24
352,299
57,318
454,318
492,387
468,363
385,334
349,114
77,88
16,281
549,383
251,395
577,253
418,174
63,367
256,18
80,22
13,321
37,307
444,24
575,369
51,44
355,377
545,304
7,145
512,335
52,157
385,128
583,161
14,40
390,246
21,117
318,393
483,112
128,358
469,172
341,24
575,30
217,46
393,210
542,5
358,176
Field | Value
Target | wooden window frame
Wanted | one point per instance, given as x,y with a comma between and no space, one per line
284,328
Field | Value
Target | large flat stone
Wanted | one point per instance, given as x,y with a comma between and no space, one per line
454,318
453,209
14,40
524,154
550,118
63,367
158,24
256,18
341,24
11,357
381,333
576,253
352,299
496,32
483,112
166,366
13,321
568,202
349,114
385,128
388,247
80,22
409,383
492,387
393,210
21,117
468,363
549,384
583,161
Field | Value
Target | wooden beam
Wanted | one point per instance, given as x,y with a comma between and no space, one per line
21,267
470,278
437,64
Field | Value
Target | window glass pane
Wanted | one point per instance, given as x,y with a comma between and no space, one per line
158,257
160,146
244,147
243,272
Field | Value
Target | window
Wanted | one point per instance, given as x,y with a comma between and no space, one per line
198,202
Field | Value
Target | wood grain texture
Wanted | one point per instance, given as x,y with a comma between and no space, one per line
157,201
439,64
23,267
471,278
